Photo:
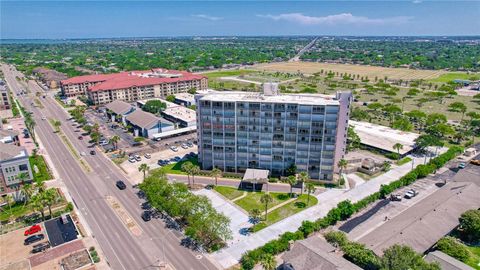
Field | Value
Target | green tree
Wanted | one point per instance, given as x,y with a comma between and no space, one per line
187,168
470,225
292,181
255,214
49,197
454,248
353,140
36,204
398,147
23,176
144,168
291,170
154,106
170,98
56,125
114,141
268,262
27,190
309,188
216,173
458,107
266,199
194,171
399,257
303,177
342,164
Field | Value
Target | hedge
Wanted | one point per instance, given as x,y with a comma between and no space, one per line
345,209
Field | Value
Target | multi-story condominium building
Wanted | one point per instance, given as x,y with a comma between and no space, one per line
132,86
4,100
13,162
240,130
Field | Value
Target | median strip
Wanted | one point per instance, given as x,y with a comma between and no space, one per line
126,219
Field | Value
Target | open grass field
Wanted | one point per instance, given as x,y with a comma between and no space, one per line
252,200
475,258
228,192
362,70
444,78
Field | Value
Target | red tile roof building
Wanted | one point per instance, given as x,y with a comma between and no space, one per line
132,85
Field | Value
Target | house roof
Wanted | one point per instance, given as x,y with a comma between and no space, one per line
145,120
10,151
446,262
424,223
119,107
314,253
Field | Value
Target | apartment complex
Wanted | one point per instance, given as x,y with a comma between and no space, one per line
133,85
4,99
240,130
13,162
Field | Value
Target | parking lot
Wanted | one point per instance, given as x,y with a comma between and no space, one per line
12,249
136,177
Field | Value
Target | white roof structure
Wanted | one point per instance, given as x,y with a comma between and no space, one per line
169,133
307,99
181,113
256,176
383,137
185,97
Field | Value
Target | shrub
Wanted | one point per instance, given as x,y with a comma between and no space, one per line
454,248
393,155
336,238
470,225
69,207
361,256
346,209
308,228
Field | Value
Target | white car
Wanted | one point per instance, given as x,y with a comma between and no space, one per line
184,146
147,155
137,157
44,118
132,159
174,148
103,142
410,194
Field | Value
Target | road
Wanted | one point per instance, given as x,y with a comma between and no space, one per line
122,249
296,58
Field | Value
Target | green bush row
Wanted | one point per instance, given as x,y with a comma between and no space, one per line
344,210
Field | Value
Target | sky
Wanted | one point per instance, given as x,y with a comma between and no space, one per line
109,19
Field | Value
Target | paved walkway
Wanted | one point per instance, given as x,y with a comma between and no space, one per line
230,256
239,221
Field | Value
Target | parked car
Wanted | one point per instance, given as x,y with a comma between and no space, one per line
395,197
103,142
83,154
132,159
40,247
146,206
92,152
184,146
44,118
121,185
475,162
146,216
80,137
137,157
461,165
34,238
174,148
189,144
32,230
410,194
177,159
147,155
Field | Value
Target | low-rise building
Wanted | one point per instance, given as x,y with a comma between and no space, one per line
4,98
185,99
14,162
51,78
446,262
133,85
146,124
118,110
183,116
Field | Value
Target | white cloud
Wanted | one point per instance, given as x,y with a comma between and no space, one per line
343,18
207,17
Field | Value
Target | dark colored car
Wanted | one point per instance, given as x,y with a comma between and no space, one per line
92,152
396,197
146,206
34,238
40,247
121,185
80,137
146,216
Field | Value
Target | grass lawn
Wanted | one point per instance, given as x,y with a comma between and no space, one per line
228,192
403,161
41,172
287,210
454,76
176,168
252,200
475,258
367,177
17,210
227,73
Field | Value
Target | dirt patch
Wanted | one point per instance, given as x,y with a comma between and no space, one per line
12,249
21,265
126,219
76,260
362,70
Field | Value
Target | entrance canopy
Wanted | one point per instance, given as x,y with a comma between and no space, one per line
256,176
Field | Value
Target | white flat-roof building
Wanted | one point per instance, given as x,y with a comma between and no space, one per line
384,138
185,99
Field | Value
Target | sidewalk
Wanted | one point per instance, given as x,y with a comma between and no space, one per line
230,256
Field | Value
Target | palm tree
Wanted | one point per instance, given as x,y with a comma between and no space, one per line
30,124
268,262
215,173
57,125
310,188
292,181
143,168
27,191
9,200
255,214
114,140
266,199
49,196
40,185
37,205
342,164
23,176
398,147
303,177
187,168
194,171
